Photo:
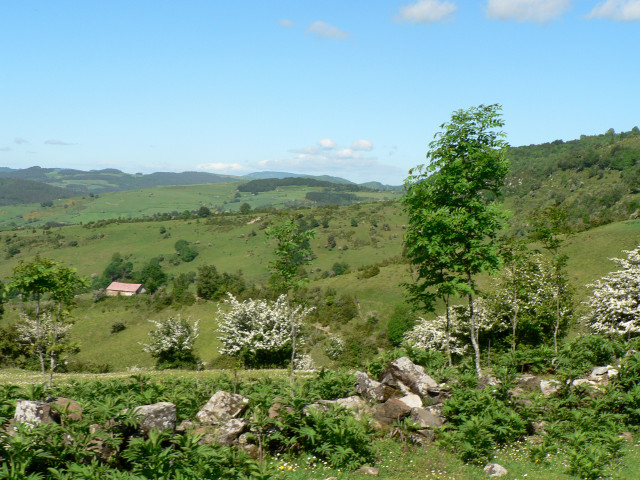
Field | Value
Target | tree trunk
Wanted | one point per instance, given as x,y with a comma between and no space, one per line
557,326
472,327
294,333
448,343
52,367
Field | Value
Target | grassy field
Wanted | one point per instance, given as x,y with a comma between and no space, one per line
151,201
238,243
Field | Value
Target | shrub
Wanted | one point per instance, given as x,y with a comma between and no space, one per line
172,343
117,327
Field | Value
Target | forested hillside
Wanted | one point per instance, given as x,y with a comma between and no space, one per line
596,178
15,191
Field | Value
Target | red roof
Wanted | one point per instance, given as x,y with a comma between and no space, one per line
124,287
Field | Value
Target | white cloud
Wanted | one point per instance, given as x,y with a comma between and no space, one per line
326,30
427,11
219,167
285,22
327,143
57,142
539,11
625,10
347,153
364,145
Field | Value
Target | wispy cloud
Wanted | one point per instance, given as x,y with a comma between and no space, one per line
538,11
327,143
364,145
427,11
345,162
326,30
20,140
227,168
5,149
56,142
285,22
624,10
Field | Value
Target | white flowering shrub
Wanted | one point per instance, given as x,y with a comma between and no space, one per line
334,347
258,331
172,343
615,300
47,336
305,363
431,334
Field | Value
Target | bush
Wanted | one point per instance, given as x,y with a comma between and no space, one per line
401,321
117,327
172,343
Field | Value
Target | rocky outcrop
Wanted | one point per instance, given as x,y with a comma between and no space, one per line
228,433
222,407
391,411
549,387
425,418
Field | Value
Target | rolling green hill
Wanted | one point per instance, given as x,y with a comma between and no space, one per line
15,192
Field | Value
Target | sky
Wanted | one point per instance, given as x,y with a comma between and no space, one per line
355,89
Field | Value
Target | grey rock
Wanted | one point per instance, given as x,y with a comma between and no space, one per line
31,412
408,377
412,400
160,416
530,382
229,432
422,436
549,387
494,470
425,418
367,470
370,389
221,407
67,407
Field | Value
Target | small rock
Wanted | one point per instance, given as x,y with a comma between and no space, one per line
494,470
626,436
539,427
412,400
371,389
221,407
228,433
425,418
549,387
530,382
71,408
408,377
367,470
391,411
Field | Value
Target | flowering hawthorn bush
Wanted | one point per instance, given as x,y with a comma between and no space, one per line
615,301
172,343
259,331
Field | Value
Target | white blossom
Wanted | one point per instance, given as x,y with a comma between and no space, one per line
257,324
615,300
171,335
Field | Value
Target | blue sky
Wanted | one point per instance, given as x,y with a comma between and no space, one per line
355,89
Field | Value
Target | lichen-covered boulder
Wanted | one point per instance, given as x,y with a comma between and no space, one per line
222,407
494,470
549,387
228,433
408,377
371,389
391,411
157,416
32,412
425,418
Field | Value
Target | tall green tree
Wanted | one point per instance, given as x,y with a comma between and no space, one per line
292,251
46,324
453,216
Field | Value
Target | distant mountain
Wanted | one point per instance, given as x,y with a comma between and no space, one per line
14,191
110,179
322,178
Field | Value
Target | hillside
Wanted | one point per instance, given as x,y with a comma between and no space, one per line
366,236
15,192
597,178
111,180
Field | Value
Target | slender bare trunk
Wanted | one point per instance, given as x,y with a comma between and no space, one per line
294,333
557,326
472,327
447,328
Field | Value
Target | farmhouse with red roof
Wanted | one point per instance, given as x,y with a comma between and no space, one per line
126,289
